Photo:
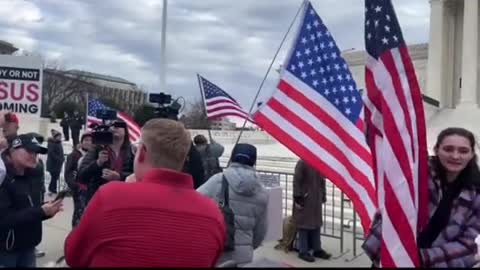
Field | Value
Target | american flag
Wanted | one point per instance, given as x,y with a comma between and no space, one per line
316,112
95,104
219,103
395,117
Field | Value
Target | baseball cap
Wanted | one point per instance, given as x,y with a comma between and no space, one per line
28,142
244,153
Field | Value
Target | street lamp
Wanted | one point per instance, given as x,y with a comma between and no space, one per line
163,48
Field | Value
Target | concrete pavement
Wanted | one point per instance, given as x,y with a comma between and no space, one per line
56,229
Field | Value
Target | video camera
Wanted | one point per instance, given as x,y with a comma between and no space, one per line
166,106
101,134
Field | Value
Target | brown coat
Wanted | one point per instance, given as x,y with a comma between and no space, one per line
309,185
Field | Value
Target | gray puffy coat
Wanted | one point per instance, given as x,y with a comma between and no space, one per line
248,200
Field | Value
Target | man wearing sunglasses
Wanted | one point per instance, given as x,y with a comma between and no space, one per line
107,162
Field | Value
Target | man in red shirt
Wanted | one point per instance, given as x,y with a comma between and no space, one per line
158,221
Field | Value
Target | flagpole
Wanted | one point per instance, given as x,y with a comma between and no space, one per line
202,93
86,112
269,68
163,48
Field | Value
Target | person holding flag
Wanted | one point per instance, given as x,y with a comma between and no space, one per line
429,210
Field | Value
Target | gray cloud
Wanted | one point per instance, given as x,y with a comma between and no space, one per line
229,42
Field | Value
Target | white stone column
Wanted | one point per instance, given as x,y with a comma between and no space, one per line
435,86
468,95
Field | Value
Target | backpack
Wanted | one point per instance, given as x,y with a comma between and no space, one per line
228,216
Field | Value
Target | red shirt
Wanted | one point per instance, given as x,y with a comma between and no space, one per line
158,222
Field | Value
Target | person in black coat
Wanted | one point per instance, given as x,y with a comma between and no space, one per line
194,166
76,123
55,160
79,190
21,207
65,124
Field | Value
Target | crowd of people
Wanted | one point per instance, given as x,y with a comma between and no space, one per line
161,206
165,201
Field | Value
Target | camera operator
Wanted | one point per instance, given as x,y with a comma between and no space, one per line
21,207
107,162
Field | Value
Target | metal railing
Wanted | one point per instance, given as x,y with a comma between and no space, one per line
339,216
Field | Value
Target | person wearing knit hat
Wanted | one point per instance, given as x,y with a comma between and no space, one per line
246,197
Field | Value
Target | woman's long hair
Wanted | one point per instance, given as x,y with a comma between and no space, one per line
126,146
470,175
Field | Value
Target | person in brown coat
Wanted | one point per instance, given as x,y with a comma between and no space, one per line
309,193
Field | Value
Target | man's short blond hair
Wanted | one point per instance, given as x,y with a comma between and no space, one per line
167,143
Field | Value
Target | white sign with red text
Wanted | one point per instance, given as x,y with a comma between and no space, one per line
21,84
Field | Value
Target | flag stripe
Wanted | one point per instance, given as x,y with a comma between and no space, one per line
306,112
393,119
221,100
411,119
227,112
422,168
325,111
212,111
332,145
363,205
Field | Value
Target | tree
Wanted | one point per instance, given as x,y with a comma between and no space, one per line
58,87
195,116
143,114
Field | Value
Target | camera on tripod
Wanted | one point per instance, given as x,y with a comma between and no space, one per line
102,135
166,106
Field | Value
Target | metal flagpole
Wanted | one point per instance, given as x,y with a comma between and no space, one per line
202,93
86,112
268,70
163,55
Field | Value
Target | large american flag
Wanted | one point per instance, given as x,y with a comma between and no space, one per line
95,104
397,135
219,103
316,112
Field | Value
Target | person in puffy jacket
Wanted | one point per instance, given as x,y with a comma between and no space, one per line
248,201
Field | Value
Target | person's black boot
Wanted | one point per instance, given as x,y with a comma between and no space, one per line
322,254
306,257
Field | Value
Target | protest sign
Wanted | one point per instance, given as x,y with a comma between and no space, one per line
21,84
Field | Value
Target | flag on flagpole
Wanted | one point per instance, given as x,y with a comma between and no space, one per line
95,104
219,103
397,135
316,111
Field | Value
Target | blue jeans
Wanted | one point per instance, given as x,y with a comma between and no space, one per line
309,240
24,258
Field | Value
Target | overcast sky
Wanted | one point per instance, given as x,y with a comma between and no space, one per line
229,42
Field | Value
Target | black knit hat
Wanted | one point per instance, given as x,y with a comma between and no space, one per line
244,153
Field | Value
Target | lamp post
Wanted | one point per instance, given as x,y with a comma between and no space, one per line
163,48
